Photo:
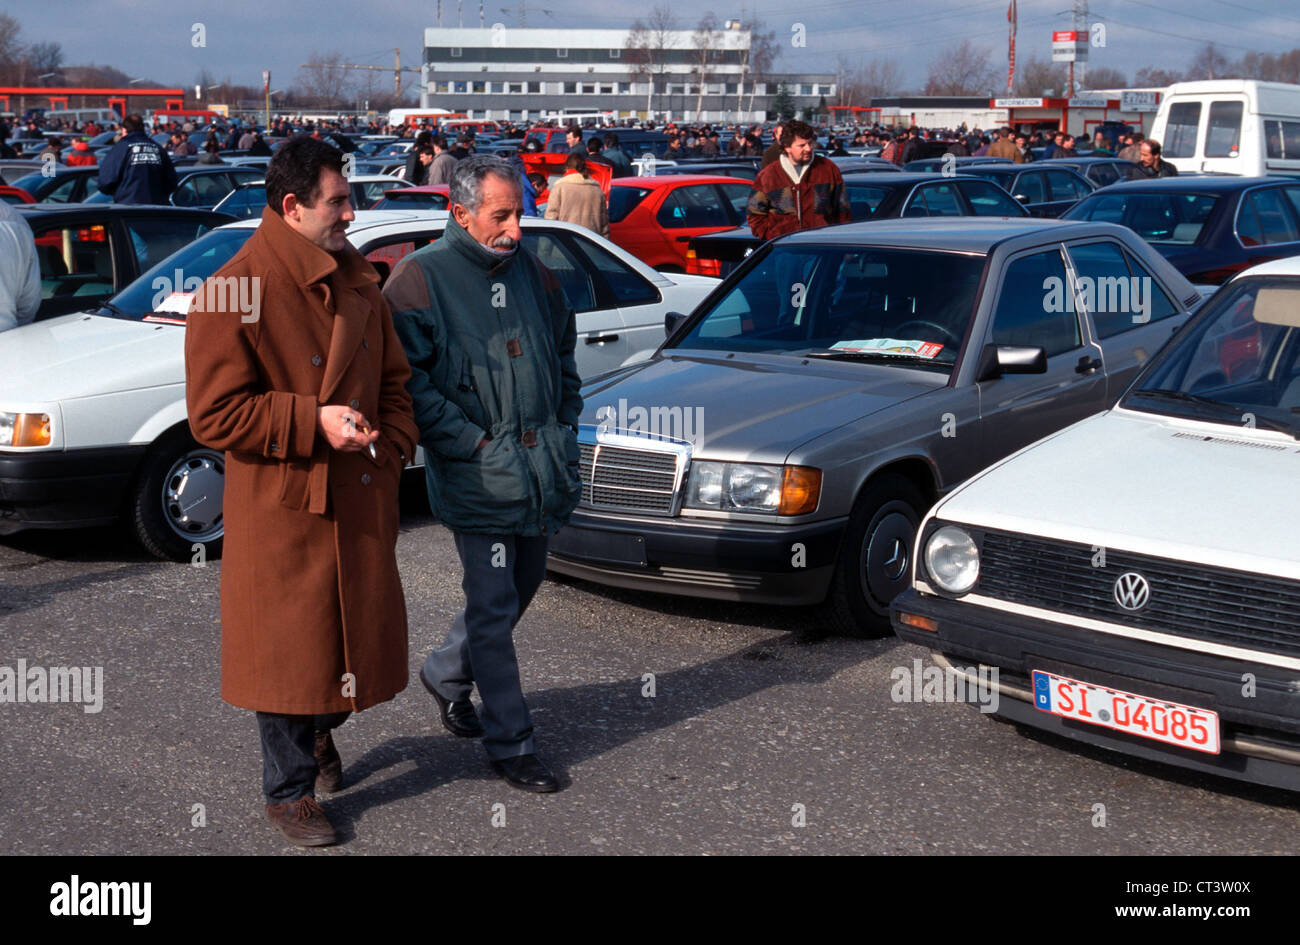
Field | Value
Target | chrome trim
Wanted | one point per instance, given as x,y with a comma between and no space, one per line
600,437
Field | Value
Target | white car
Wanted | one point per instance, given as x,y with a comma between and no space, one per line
92,405
1135,578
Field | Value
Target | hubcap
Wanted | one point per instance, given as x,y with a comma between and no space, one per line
886,558
192,493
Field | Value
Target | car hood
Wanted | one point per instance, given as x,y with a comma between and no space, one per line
84,355
1173,488
751,408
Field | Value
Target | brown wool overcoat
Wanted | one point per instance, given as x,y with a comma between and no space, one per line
309,582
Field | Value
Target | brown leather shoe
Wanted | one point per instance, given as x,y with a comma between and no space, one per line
329,774
303,822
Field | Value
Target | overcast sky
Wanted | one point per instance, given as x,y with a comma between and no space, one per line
153,37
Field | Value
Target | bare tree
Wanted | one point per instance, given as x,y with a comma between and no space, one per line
961,70
323,78
11,48
763,51
1209,63
868,81
1149,76
1106,77
704,41
1037,77
647,43
45,58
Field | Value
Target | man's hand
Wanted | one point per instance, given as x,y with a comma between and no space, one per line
481,443
345,429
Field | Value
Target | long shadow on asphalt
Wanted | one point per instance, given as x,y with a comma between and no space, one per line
579,723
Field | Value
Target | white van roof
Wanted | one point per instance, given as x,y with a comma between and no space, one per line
1267,98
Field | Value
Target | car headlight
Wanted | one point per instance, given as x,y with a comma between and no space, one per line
751,487
952,560
24,429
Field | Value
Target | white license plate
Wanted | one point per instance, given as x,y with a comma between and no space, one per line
1168,722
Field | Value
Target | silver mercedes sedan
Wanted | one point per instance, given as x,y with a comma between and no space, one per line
784,443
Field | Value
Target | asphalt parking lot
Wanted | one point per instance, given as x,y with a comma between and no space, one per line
762,736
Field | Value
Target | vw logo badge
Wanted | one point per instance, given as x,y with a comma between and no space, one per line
1132,592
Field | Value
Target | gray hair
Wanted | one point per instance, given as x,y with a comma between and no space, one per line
467,179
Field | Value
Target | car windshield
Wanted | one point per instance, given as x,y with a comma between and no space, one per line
860,303
156,295
1175,219
30,183
1237,363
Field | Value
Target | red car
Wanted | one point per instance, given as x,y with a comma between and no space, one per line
15,195
654,218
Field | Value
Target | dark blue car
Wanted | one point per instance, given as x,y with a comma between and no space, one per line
1210,228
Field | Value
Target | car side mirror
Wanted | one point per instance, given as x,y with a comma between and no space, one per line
996,360
672,321
1023,198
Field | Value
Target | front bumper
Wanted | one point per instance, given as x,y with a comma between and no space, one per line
738,561
66,488
1260,733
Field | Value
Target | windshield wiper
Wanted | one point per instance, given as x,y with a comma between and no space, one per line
113,309
1238,415
870,356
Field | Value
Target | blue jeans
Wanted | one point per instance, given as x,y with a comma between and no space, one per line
289,753
502,573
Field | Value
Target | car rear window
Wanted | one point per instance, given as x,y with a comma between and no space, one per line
1181,129
1265,218
1176,219
623,200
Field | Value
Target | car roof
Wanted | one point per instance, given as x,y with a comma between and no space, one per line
1286,266
903,178
676,180
99,209
1205,184
363,219
955,234
1068,161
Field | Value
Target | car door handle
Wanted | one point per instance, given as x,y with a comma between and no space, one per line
1087,365
601,339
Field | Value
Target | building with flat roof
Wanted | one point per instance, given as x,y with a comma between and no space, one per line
519,74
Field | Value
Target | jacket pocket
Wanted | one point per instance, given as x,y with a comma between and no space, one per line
295,481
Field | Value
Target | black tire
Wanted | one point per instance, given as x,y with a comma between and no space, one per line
875,559
176,501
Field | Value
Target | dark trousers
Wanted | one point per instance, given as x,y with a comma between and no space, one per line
289,753
502,573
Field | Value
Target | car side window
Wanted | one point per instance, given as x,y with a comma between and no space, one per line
1160,306
940,200
75,261
1116,302
1031,185
1063,186
63,192
691,207
1264,218
385,256
567,268
1104,174
737,195
1029,312
989,200
627,285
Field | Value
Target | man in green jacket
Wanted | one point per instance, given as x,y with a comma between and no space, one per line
490,338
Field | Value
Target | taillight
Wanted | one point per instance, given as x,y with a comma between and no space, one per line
92,234
702,267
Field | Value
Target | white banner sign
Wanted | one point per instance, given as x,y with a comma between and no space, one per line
1137,101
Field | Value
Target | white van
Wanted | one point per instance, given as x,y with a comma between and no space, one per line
1233,126
79,116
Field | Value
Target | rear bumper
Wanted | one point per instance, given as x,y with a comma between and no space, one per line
66,489
1260,733
769,564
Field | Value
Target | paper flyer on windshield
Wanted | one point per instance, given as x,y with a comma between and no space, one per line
921,349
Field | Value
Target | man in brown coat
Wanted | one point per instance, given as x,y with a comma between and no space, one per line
1005,148
305,391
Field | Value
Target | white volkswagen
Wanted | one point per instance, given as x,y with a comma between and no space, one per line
92,405
1135,578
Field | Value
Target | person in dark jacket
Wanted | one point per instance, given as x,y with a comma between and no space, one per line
259,148
617,157
1152,164
490,338
137,170
419,158
774,150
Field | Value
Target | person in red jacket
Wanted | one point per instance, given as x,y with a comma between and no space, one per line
798,191
81,155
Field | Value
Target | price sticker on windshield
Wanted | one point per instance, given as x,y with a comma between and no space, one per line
920,349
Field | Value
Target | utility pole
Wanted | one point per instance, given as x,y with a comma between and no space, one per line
1079,23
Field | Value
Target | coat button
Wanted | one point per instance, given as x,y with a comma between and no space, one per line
365,343
354,404
529,438
315,360
365,479
275,447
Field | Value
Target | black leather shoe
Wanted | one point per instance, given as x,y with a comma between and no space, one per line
528,773
459,718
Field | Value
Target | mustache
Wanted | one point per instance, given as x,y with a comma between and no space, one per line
504,242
